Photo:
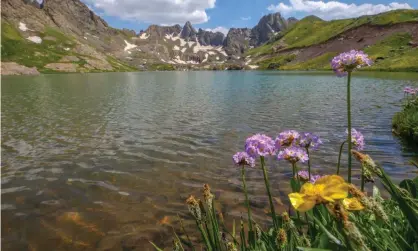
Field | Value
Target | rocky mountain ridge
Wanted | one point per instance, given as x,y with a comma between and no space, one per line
65,35
70,28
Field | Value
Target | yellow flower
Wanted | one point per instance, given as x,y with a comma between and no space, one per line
326,189
352,204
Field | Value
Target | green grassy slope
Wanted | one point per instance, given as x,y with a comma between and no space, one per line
394,54
16,48
313,30
391,54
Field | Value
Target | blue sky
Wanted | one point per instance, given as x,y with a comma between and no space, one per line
224,14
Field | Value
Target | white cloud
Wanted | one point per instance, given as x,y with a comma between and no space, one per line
156,11
245,18
220,29
334,9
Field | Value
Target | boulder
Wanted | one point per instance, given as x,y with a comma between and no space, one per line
12,68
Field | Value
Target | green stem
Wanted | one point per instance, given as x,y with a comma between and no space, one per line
205,237
309,163
295,171
247,201
362,178
349,125
296,177
339,157
266,181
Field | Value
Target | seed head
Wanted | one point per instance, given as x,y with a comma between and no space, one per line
367,163
208,196
230,246
281,238
355,236
194,208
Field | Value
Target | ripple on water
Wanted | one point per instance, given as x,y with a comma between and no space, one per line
13,189
7,207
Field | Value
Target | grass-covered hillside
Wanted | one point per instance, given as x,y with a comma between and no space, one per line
56,52
389,38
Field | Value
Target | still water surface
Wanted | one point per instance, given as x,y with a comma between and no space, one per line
105,161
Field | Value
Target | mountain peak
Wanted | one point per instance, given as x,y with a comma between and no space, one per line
188,32
267,27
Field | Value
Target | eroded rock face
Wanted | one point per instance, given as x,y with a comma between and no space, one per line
12,68
237,41
210,38
188,33
161,31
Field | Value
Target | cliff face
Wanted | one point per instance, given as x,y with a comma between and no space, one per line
210,38
161,31
188,32
237,41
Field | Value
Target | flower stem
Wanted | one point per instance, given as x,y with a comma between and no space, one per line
349,125
247,201
339,157
309,163
266,181
362,178
205,237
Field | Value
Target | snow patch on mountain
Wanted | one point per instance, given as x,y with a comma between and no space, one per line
179,61
222,51
206,58
144,36
198,47
129,46
35,39
176,48
175,38
23,27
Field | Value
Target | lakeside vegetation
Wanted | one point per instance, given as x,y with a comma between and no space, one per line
405,122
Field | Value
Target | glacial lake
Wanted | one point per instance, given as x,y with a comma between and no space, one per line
105,161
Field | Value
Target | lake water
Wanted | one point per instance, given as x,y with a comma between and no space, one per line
106,161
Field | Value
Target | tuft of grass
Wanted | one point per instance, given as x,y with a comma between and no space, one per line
405,122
